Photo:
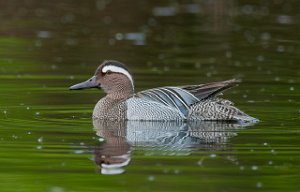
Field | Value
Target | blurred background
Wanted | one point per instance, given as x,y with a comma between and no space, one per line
209,37
162,42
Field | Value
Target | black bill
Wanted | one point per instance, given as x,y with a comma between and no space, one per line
90,83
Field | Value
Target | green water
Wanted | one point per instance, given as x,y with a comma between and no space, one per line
48,141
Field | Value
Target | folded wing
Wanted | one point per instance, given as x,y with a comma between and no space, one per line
183,97
204,91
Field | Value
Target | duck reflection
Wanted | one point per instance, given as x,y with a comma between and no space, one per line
115,152
165,138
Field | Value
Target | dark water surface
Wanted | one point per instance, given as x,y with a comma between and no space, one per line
48,141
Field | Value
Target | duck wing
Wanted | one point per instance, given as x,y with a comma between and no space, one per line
204,91
174,97
181,98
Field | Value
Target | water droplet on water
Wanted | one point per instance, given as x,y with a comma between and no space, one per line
111,42
270,162
259,185
285,19
138,38
119,36
213,155
277,78
14,136
280,48
200,162
260,58
242,168
56,189
164,11
228,54
254,167
40,140
79,151
43,34
273,151
53,67
151,178
265,36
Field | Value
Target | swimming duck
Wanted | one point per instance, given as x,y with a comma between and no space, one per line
181,103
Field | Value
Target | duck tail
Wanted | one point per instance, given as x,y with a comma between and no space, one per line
243,117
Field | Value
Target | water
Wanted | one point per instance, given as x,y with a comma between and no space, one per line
48,141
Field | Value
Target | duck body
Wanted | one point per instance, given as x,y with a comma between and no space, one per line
184,103
140,107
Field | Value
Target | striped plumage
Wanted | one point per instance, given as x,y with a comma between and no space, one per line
191,102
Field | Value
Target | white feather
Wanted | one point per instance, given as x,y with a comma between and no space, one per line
117,70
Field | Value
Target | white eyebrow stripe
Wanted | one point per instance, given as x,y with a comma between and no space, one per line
117,70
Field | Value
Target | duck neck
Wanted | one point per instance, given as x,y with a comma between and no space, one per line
121,93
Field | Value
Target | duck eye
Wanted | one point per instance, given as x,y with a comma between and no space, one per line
108,72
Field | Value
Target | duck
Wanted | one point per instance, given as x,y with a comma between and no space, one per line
201,102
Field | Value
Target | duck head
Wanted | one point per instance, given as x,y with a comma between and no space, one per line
113,77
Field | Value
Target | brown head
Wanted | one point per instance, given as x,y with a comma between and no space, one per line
113,77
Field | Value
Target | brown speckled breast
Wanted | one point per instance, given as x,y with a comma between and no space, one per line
108,108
